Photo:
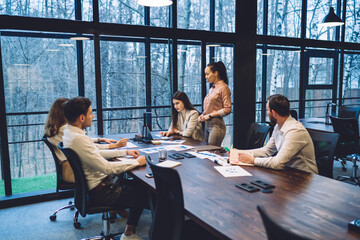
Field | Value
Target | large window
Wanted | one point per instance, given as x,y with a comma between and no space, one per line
351,82
193,14
36,71
125,12
352,21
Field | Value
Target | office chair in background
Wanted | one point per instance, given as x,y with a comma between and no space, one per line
256,136
324,144
82,203
60,183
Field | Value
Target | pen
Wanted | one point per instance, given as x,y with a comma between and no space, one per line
227,149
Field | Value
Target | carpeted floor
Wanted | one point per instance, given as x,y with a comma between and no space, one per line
32,222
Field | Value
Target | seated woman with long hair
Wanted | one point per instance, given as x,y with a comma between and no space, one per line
184,118
54,131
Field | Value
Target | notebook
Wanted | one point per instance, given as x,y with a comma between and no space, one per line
169,164
234,160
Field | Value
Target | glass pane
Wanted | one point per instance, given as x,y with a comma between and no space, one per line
123,121
160,85
125,12
284,18
2,183
37,71
189,72
225,15
260,16
317,108
259,89
159,16
123,74
351,80
64,9
193,14
352,21
321,70
283,73
316,11
87,10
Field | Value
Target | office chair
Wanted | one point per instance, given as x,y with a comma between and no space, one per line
82,202
256,135
349,112
274,230
294,114
60,183
168,218
348,130
324,144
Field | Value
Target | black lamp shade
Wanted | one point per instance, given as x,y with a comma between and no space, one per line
331,19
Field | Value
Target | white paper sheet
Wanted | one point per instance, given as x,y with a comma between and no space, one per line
129,145
232,171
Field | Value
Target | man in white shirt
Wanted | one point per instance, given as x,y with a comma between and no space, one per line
105,189
290,144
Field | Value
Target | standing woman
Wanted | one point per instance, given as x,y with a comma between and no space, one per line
184,118
217,103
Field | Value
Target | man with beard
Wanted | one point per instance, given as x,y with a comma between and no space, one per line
290,144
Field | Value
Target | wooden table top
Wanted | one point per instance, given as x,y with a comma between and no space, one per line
316,124
316,206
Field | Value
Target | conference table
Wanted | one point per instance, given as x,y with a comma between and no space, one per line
316,124
309,204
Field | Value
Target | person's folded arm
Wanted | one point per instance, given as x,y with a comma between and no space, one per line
188,132
226,100
292,144
91,156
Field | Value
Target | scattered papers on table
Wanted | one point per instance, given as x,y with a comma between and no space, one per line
171,141
129,145
167,148
232,171
159,136
169,164
211,156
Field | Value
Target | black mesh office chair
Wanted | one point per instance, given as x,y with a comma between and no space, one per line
324,144
294,114
275,231
348,130
82,203
168,219
60,183
256,135
349,112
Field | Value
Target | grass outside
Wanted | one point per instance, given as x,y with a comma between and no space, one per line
30,184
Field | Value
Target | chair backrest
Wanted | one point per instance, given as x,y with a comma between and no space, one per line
274,230
349,112
256,135
60,183
169,209
348,130
294,114
81,187
324,144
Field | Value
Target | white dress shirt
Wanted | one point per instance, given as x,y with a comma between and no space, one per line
55,140
93,160
292,145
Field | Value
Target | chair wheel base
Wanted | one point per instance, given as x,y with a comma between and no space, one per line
77,225
53,218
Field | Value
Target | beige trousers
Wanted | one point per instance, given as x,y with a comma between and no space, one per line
215,131
67,172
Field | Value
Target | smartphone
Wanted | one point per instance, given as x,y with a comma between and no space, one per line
149,175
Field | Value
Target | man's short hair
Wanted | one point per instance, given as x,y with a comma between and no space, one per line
76,107
280,104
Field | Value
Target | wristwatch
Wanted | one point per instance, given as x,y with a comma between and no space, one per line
209,116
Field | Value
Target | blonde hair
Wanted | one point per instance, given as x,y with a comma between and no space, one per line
55,118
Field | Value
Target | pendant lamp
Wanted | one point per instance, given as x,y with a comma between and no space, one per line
331,20
155,3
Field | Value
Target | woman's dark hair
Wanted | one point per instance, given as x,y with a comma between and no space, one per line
187,104
75,107
55,118
280,104
221,69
